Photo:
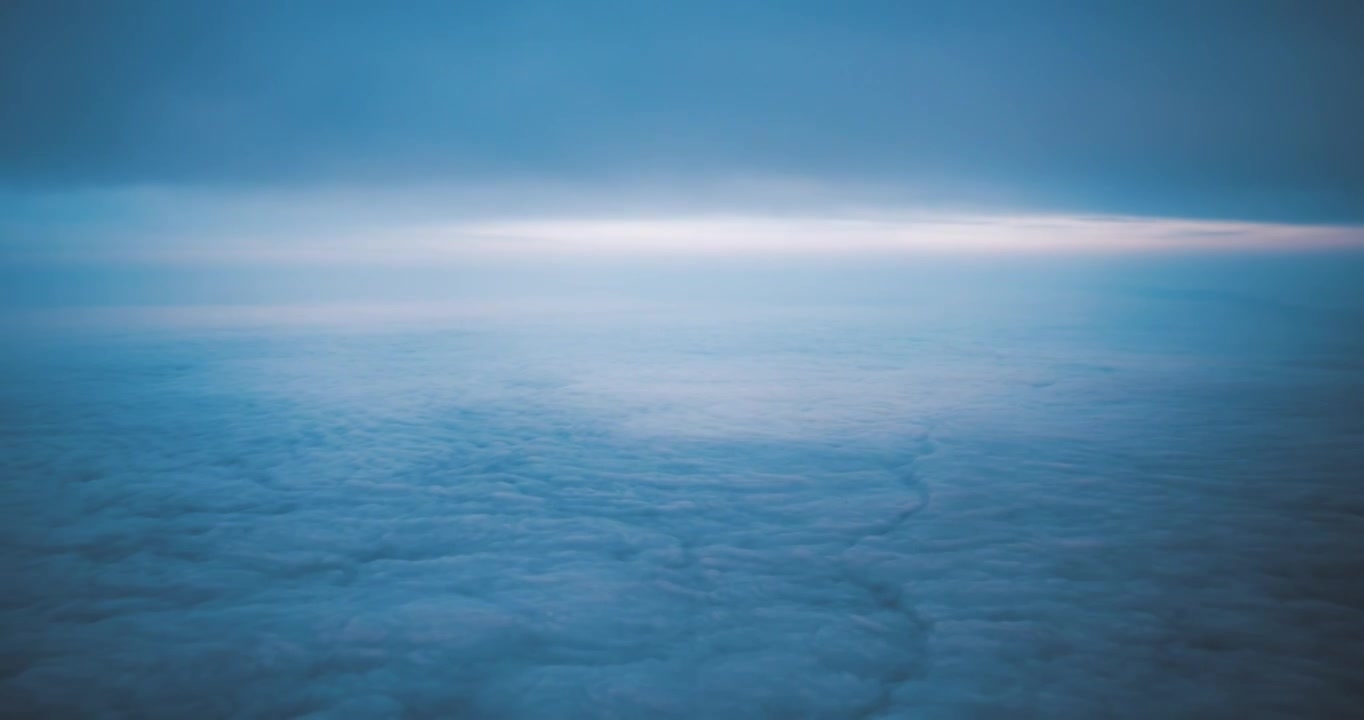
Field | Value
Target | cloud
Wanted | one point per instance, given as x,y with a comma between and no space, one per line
777,236
1210,110
1063,503
540,225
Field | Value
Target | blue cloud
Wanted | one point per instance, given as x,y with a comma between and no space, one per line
1057,501
1213,109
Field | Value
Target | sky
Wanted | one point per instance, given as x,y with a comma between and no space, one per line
165,134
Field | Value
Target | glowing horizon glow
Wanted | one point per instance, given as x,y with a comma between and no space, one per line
743,235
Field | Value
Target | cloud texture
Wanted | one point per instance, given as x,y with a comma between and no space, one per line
1056,503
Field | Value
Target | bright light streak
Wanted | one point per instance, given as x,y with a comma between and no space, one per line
737,235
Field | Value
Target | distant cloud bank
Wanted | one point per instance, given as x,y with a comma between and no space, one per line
431,227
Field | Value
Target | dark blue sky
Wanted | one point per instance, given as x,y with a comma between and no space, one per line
1245,110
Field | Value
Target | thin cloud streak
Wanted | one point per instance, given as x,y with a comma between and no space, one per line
719,236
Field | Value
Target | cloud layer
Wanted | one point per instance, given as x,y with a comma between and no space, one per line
1163,108
1052,503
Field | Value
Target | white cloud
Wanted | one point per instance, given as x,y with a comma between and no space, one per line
544,239
426,227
